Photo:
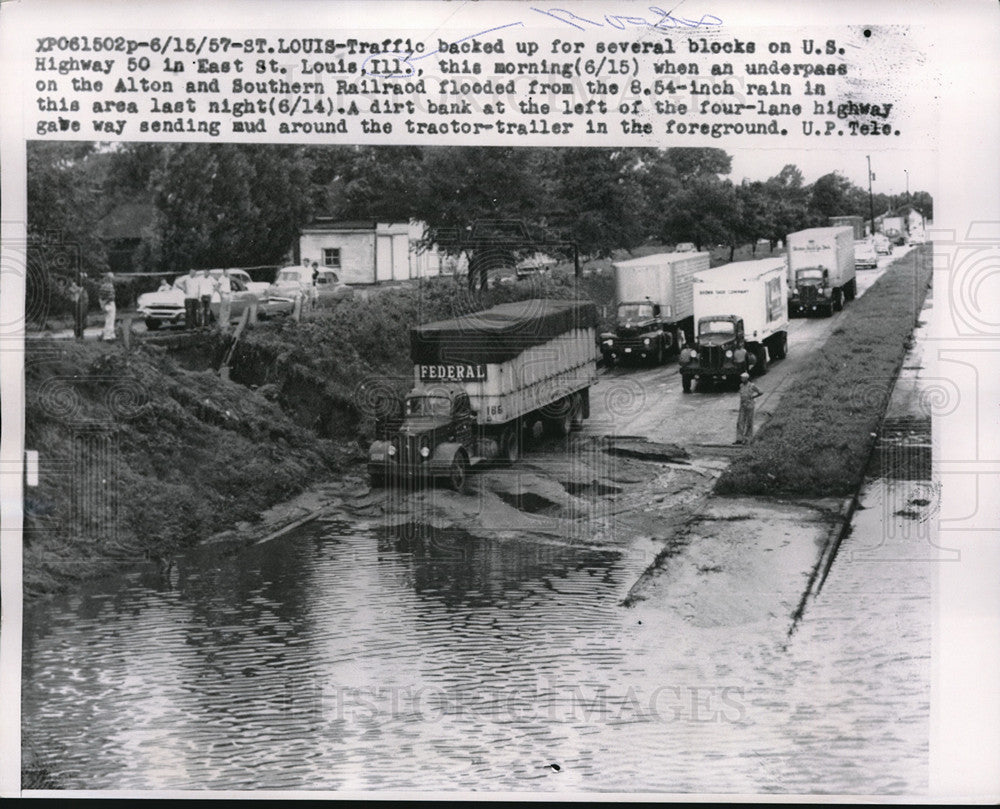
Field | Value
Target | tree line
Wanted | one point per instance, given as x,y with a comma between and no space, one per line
242,205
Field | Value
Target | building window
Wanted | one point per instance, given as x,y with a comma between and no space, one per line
331,257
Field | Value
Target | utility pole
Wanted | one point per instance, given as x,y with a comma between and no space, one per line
907,186
871,200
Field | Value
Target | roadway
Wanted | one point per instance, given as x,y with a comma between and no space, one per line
648,402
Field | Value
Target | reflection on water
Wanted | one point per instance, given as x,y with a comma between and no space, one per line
339,658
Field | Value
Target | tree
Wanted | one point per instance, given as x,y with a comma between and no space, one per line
224,205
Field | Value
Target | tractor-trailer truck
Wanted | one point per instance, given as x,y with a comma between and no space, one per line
820,270
655,316
481,382
741,318
856,223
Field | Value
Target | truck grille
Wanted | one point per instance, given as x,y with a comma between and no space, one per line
711,356
807,293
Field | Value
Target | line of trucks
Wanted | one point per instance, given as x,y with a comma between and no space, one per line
483,382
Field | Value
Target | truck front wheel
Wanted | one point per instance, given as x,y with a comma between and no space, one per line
686,383
838,300
458,472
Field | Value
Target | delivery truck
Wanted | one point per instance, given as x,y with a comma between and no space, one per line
856,223
654,318
482,382
820,270
895,228
741,321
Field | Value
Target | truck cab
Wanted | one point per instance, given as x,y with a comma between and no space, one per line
434,438
812,292
719,351
640,334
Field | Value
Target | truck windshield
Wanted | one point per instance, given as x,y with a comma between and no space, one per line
726,327
428,406
635,311
813,274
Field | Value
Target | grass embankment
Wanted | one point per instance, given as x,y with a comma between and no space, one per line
140,458
818,441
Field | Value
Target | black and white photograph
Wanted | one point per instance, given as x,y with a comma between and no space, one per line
446,465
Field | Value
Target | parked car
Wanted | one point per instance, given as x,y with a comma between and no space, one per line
883,247
166,307
298,280
685,247
865,257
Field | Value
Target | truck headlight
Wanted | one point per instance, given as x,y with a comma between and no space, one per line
645,342
729,353
425,451
608,342
390,450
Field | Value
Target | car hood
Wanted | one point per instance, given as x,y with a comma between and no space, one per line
169,297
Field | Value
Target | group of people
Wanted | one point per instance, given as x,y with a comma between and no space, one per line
198,291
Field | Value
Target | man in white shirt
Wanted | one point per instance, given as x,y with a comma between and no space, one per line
225,288
189,283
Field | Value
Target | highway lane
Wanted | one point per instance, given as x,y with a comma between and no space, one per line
649,402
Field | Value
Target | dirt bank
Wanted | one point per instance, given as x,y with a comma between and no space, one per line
139,457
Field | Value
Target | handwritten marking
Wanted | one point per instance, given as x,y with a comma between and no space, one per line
666,22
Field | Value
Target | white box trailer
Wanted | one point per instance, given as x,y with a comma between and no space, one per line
741,320
480,381
821,270
655,311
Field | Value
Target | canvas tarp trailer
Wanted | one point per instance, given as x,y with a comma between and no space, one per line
512,359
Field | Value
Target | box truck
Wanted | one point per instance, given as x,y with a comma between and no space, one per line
654,317
820,270
481,382
741,320
856,223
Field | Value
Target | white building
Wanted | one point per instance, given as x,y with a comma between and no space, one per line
374,252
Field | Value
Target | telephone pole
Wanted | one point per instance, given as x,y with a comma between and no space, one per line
907,186
871,200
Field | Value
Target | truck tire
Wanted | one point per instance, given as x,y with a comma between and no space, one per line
576,411
558,425
762,359
838,300
658,357
458,472
780,349
377,481
152,324
510,444
686,383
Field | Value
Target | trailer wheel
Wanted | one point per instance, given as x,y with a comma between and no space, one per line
558,425
510,444
458,472
838,300
576,413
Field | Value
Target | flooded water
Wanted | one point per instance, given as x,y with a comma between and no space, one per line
339,658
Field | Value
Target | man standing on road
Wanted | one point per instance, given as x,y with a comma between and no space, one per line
190,284
225,287
81,302
744,424
106,295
